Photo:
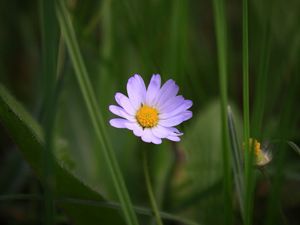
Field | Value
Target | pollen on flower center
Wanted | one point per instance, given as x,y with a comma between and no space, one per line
256,147
147,116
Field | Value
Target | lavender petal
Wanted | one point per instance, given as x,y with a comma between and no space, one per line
153,89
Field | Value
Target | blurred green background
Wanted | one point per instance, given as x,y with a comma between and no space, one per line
176,39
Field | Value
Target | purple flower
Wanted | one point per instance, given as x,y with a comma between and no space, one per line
151,113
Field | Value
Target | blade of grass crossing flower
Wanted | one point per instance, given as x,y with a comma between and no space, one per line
237,161
249,187
220,27
50,40
95,114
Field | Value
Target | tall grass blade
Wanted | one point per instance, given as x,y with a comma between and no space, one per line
238,172
150,189
220,27
261,82
249,183
50,40
95,114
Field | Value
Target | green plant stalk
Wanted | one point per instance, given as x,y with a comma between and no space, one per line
95,114
149,188
237,162
262,82
220,27
249,183
49,35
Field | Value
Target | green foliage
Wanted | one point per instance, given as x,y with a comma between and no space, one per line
27,134
199,44
204,174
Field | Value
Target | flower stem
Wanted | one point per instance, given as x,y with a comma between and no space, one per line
149,189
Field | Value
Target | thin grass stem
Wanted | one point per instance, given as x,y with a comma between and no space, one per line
149,188
221,36
95,114
237,162
249,183
50,40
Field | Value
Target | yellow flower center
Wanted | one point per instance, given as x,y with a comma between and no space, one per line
262,158
147,116
256,147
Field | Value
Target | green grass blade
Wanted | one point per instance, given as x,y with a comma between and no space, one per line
238,172
50,40
95,114
261,83
249,182
220,27
150,189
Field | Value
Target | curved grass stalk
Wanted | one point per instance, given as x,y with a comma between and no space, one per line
95,114
237,161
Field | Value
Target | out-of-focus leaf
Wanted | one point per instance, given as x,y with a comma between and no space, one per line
204,167
27,134
203,145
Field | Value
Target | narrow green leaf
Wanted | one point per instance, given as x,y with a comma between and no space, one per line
94,112
249,175
221,36
238,171
27,134
50,44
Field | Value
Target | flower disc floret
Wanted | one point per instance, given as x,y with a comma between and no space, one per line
147,116
262,157
153,112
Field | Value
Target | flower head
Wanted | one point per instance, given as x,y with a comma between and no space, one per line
151,113
262,156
